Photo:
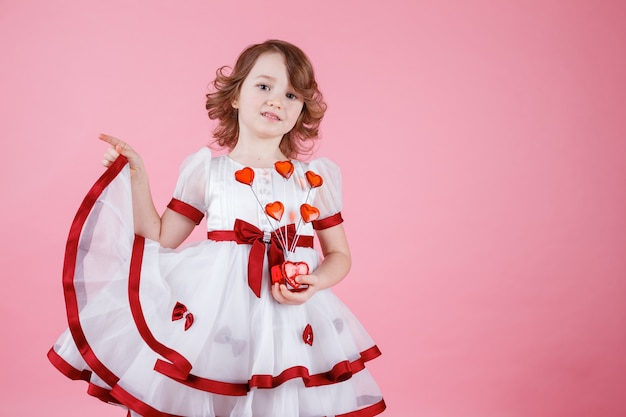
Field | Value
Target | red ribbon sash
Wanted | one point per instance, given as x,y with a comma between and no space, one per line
246,233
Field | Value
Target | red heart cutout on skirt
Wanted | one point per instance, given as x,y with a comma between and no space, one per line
307,335
275,210
313,179
309,213
284,168
291,270
245,175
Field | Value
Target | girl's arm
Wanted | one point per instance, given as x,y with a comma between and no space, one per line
331,271
171,229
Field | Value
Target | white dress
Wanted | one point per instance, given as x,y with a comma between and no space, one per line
181,332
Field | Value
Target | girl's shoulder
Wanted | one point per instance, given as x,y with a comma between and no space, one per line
201,154
200,159
321,165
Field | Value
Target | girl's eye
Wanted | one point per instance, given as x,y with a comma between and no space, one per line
292,96
264,87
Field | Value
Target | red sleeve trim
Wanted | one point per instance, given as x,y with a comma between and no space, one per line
327,222
186,210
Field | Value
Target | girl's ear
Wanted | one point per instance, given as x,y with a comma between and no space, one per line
235,104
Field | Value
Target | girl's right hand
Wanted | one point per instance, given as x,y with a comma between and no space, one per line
118,148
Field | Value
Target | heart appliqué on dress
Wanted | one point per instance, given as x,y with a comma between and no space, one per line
309,213
284,168
307,335
275,210
245,175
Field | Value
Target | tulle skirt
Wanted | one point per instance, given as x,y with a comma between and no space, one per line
179,332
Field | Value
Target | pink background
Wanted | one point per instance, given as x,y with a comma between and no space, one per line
483,150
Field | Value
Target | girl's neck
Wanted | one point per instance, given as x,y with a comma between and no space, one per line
257,154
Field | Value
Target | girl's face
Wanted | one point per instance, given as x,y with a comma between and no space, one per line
268,106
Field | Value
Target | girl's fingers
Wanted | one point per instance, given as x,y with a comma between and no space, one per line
111,140
277,294
109,157
111,154
283,295
120,146
307,279
108,139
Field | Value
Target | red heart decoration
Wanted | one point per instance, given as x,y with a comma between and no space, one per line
245,175
284,168
307,335
275,210
287,272
309,213
277,275
314,179
291,270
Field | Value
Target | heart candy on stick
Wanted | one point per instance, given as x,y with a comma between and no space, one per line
284,168
309,213
275,210
313,179
245,175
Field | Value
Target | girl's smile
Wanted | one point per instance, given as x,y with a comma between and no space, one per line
270,116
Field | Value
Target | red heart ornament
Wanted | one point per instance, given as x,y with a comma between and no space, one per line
275,210
284,168
287,272
277,275
307,335
245,175
309,213
291,270
313,179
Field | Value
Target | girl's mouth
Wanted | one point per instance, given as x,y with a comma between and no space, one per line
270,115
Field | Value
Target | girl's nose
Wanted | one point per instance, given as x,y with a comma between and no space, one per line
275,101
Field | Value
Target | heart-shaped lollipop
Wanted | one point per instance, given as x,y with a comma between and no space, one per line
275,210
309,213
245,175
313,179
284,168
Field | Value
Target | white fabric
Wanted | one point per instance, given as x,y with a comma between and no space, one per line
235,335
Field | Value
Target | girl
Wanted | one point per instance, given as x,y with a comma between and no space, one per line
242,324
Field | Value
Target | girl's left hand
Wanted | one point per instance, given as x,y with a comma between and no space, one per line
286,296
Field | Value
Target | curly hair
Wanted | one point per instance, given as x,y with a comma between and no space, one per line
227,85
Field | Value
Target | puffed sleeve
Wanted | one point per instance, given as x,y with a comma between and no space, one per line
190,194
328,196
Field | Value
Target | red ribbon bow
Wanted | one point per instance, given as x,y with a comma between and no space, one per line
180,311
248,233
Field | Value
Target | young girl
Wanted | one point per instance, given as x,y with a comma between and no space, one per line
242,324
